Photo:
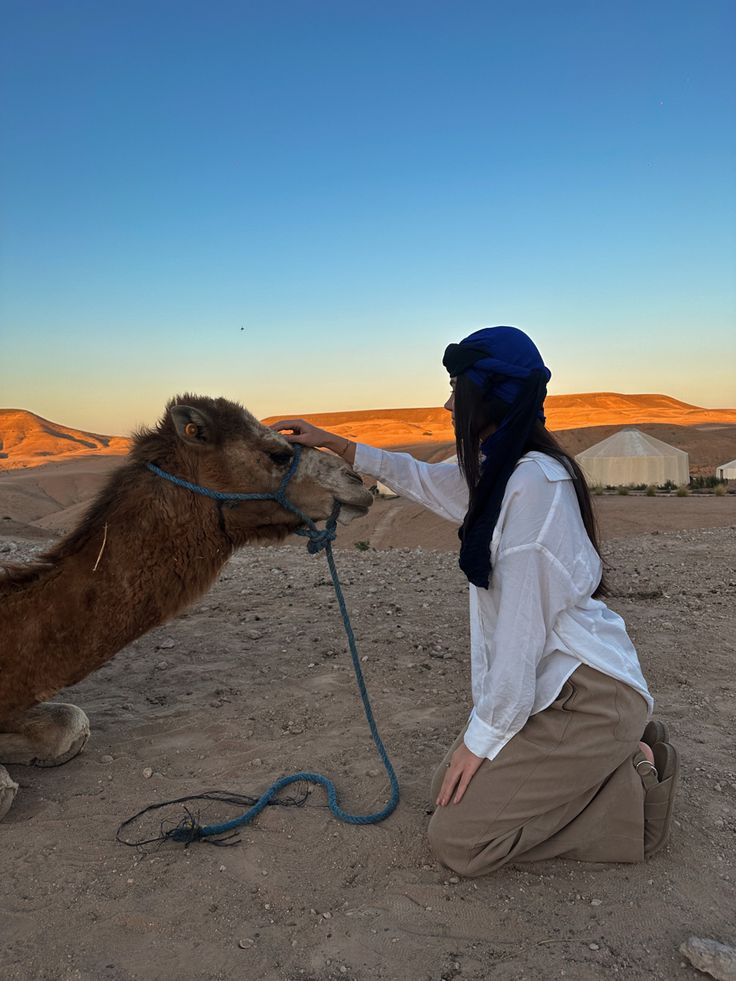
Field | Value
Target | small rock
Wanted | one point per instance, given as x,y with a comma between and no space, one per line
162,665
716,959
167,644
327,916
148,772
454,880
106,758
594,946
596,902
246,944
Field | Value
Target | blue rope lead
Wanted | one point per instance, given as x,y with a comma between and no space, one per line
190,830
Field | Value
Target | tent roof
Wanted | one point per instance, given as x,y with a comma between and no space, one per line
727,466
628,443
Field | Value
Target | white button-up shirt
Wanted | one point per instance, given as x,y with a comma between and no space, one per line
538,620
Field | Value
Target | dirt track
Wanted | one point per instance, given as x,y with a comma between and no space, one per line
254,682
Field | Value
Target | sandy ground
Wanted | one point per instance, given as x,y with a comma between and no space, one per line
255,682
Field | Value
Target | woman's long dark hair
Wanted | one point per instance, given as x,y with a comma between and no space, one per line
475,412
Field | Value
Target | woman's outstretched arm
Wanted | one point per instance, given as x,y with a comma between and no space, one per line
437,486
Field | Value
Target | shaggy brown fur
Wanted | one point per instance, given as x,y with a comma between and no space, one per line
146,548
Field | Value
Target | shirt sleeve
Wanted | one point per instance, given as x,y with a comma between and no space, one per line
440,487
533,588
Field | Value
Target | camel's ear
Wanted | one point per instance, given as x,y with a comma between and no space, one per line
192,425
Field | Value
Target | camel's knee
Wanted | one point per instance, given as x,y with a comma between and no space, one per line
48,734
8,790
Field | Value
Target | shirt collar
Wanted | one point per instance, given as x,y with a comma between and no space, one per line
551,468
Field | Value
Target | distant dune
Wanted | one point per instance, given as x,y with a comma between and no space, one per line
50,472
28,440
404,427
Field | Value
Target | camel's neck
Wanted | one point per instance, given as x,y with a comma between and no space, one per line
137,559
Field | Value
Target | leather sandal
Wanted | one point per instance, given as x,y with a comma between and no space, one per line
660,786
655,732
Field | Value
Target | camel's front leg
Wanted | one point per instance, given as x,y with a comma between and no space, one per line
48,734
8,789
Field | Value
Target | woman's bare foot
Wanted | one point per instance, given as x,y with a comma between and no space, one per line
646,749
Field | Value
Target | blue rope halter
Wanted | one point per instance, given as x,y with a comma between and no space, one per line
189,830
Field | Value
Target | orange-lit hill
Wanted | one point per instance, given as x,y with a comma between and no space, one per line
406,427
27,440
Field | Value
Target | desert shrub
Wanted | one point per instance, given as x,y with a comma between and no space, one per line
720,490
682,492
651,491
597,490
362,546
623,491
669,485
701,482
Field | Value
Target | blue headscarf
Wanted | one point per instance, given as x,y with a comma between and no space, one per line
505,365
497,359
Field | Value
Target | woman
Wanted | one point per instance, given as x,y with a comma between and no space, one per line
552,761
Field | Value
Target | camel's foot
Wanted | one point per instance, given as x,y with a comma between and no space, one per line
48,734
8,790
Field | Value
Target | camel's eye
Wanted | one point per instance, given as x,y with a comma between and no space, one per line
281,458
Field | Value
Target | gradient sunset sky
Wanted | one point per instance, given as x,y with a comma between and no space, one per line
357,185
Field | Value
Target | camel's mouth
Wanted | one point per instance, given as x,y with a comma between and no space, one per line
348,512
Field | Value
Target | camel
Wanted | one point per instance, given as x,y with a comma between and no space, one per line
144,550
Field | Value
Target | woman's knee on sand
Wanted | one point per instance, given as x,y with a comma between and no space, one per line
462,854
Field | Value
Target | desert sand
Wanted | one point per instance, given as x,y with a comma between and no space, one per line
255,682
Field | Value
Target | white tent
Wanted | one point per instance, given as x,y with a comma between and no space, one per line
631,457
727,471
383,491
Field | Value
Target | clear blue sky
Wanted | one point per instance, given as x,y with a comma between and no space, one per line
358,184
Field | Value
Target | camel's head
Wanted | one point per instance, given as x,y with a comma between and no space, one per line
220,445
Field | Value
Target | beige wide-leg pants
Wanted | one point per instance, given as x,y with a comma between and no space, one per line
563,787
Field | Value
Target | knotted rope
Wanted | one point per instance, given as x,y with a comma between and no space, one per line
189,830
